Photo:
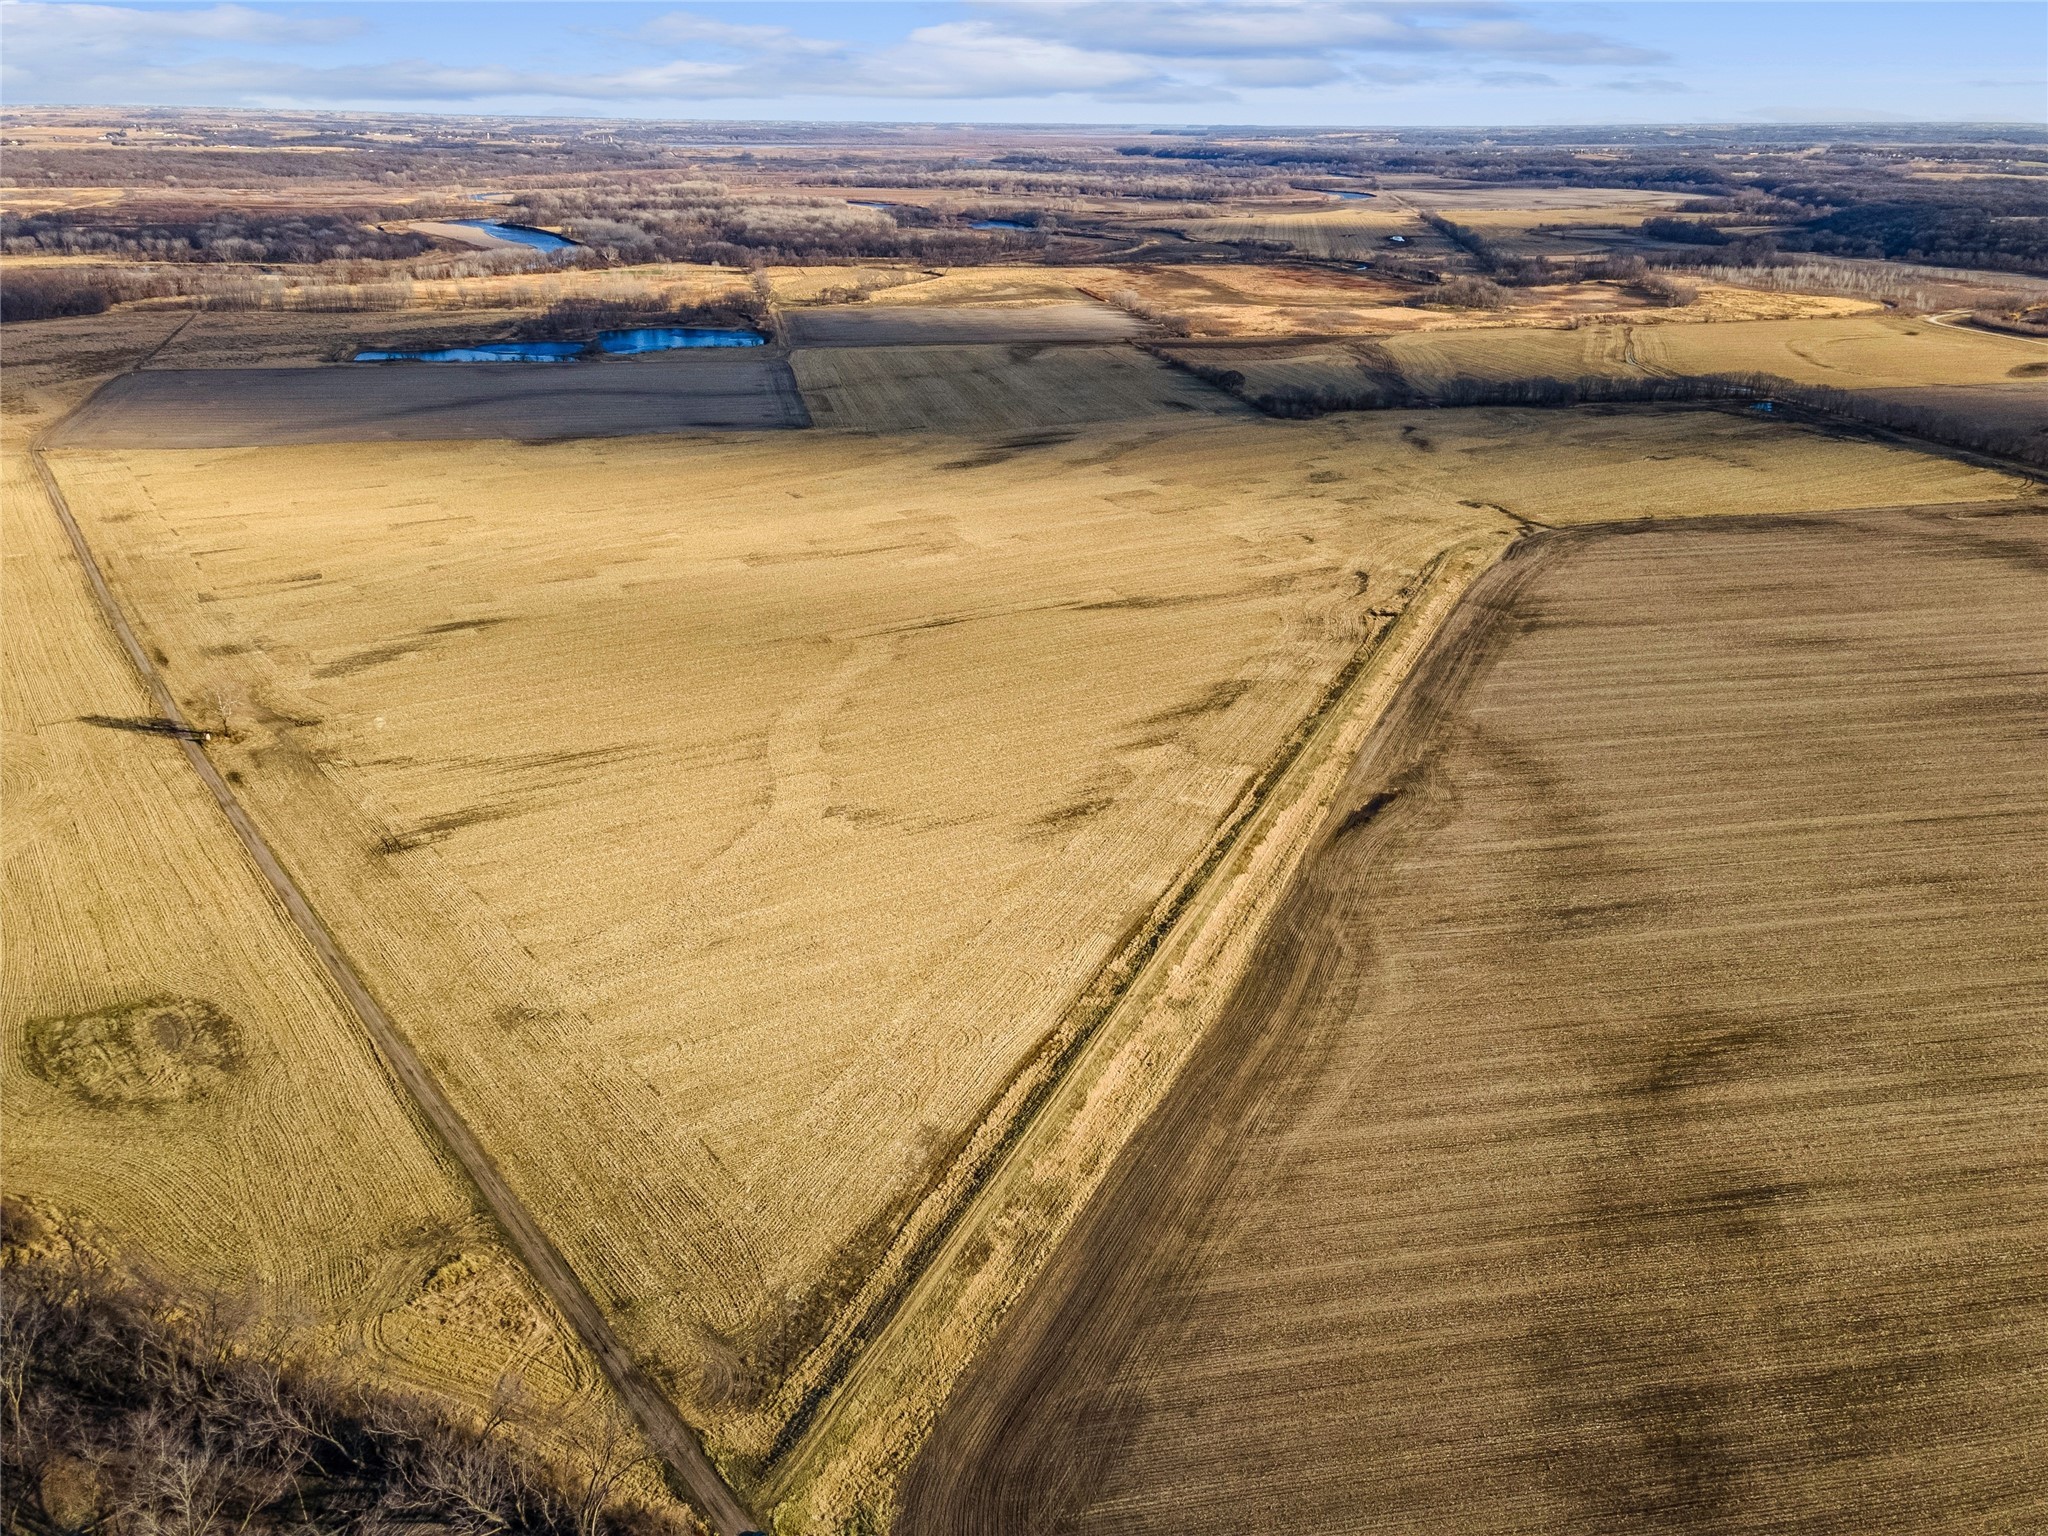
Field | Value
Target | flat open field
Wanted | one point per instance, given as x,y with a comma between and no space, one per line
725,389
727,819
1635,1119
1023,387
905,325
1340,231
1851,351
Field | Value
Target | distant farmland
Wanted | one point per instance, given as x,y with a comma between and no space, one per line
1633,1119
1022,387
906,325
396,402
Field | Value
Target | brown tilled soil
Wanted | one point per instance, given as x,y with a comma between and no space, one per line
1638,1119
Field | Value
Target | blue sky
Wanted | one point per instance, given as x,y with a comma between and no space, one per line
1331,62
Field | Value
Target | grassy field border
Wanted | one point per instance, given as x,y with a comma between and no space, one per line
877,1384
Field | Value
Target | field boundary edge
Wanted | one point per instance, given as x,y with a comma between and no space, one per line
1136,1022
674,1441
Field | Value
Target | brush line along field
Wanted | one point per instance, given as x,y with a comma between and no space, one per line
1634,1116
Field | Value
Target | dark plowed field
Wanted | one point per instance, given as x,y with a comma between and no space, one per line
1638,1120
907,325
362,402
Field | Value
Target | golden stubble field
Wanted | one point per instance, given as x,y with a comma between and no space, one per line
730,821
1867,350
1634,1118
183,1091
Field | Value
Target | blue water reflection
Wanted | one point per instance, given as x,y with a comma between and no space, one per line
520,234
670,337
486,352
664,338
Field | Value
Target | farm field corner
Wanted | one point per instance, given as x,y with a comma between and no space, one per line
728,821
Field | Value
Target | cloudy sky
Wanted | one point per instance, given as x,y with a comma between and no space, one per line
1118,61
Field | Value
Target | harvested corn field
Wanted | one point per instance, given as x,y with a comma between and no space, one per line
906,325
723,389
1029,386
1916,359
1346,232
727,820
1633,1117
183,1089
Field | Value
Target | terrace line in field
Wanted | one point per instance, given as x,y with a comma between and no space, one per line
722,389
1636,1116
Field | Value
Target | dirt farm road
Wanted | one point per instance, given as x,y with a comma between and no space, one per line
673,1440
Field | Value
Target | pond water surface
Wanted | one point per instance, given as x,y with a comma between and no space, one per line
520,234
486,352
1353,196
999,224
670,337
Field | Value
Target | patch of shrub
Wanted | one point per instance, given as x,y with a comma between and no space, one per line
1670,292
125,1409
1466,293
1684,231
51,295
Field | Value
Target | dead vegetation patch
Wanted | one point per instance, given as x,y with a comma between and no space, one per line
142,1055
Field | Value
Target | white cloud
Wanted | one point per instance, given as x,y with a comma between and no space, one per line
1001,50
1646,85
1236,29
119,31
975,59
680,27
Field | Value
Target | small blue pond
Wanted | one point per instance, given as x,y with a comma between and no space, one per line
669,338
1352,196
520,234
998,224
486,352
616,343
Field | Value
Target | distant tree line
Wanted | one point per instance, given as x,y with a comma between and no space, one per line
1379,385
223,235
1854,199
703,221
580,316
